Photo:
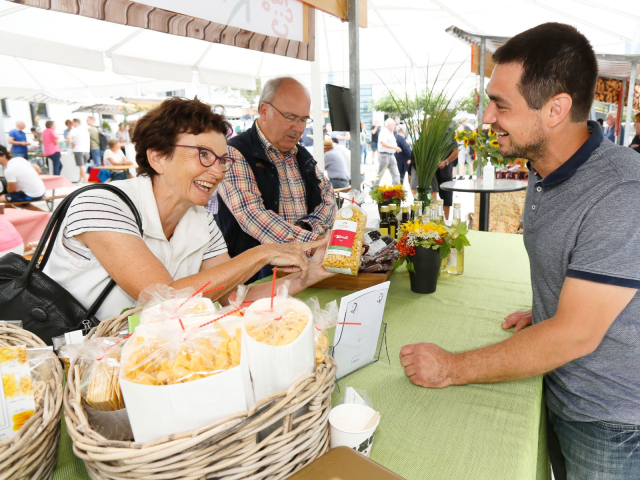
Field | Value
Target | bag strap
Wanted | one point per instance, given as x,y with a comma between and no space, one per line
53,229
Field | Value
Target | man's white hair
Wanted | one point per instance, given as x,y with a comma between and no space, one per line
389,121
270,89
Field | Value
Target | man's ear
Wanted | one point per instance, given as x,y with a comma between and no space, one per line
262,110
558,108
156,161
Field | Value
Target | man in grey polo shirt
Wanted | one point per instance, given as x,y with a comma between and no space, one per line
583,239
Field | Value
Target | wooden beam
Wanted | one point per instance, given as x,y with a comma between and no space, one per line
339,8
127,12
475,62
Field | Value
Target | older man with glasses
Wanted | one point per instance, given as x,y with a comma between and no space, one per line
274,192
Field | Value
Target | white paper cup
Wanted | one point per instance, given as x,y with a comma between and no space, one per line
347,427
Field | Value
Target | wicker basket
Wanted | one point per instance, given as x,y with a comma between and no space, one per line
226,449
33,452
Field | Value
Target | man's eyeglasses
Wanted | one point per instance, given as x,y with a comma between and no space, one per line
208,157
291,118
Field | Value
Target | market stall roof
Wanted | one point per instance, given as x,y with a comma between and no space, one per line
106,105
609,65
74,56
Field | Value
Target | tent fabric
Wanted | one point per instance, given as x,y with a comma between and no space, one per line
406,44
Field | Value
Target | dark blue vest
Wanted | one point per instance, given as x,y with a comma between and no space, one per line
249,145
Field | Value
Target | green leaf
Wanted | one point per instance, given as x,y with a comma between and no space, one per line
462,229
399,262
410,267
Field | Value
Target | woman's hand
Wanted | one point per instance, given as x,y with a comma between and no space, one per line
290,256
316,271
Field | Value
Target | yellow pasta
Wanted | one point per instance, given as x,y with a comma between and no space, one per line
153,361
279,332
347,236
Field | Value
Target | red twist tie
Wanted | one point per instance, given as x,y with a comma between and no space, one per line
273,286
181,324
225,315
347,323
213,289
109,348
194,294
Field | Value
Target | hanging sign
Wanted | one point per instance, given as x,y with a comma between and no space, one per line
277,18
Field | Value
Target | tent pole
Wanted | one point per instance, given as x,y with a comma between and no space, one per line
632,83
483,45
317,99
354,91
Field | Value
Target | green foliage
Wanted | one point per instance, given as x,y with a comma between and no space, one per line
429,117
468,103
105,126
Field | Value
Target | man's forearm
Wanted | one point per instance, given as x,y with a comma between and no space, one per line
533,351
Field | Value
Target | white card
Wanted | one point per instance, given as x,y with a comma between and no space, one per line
351,396
360,318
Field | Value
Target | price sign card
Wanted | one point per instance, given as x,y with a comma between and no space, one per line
358,331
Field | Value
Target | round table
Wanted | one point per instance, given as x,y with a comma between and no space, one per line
477,186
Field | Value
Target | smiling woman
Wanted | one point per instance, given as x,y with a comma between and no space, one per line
181,152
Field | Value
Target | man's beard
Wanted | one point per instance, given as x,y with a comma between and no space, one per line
533,151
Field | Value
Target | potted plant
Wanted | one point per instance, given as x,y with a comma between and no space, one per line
423,246
384,195
429,120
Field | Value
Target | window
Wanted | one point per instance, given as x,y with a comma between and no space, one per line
38,110
106,116
3,107
176,93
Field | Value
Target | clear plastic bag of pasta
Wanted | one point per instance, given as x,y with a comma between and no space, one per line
347,237
180,375
279,339
161,303
99,368
324,319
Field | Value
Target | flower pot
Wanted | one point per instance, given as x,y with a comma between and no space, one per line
426,263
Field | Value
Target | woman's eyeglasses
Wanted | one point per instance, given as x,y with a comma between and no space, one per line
208,157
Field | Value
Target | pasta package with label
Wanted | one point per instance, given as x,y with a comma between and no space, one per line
161,303
279,342
347,236
178,375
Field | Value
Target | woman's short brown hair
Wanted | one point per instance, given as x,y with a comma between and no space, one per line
637,117
159,129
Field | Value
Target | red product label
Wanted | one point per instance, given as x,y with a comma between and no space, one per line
342,238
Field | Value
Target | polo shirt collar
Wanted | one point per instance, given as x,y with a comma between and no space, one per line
269,146
570,167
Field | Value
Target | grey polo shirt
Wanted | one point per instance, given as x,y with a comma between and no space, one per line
581,221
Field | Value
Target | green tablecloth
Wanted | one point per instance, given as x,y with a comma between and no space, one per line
473,432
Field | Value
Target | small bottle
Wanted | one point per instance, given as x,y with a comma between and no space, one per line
433,213
393,221
418,205
406,215
384,221
440,215
455,260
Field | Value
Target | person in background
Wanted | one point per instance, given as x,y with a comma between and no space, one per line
114,156
65,134
363,143
388,147
36,135
610,132
238,130
335,165
51,147
583,247
18,141
274,191
465,156
94,136
80,141
404,155
122,135
23,181
375,132
635,143
601,123
342,137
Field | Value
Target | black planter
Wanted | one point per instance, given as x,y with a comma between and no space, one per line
426,263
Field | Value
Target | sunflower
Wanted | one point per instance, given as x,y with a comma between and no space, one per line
494,143
491,132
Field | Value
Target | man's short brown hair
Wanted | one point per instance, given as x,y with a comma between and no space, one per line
555,58
158,130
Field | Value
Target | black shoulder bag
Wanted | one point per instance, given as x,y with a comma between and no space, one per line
27,294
